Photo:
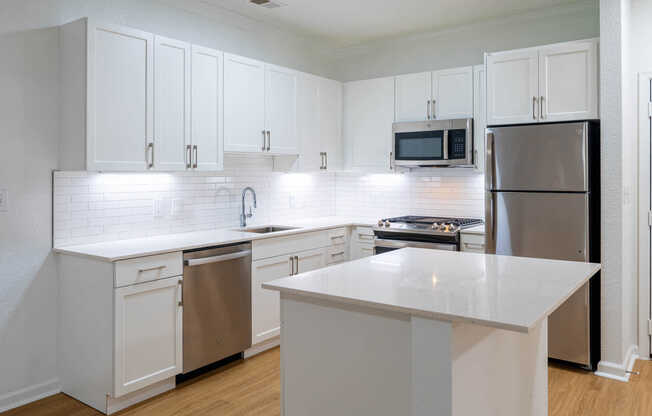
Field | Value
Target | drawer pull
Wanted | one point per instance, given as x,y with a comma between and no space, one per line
339,253
475,246
151,269
365,237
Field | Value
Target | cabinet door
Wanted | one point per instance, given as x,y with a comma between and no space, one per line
265,304
308,123
207,125
568,81
311,260
120,89
281,109
244,104
413,97
368,118
452,93
360,250
330,125
512,87
148,334
171,104
479,114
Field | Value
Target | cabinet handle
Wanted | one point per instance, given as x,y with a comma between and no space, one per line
194,148
321,156
428,109
325,160
188,156
151,269
390,160
339,253
150,147
264,141
541,108
434,116
296,264
474,246
269,139
291,265
534,108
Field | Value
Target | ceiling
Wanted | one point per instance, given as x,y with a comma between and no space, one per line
348,22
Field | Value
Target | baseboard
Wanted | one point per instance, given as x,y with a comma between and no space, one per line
119,403
263,346
29,394
617,371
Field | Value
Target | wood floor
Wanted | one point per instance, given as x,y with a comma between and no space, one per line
252,388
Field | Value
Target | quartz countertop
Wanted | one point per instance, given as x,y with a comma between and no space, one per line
138,247
512,293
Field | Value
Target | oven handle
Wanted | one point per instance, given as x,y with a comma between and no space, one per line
380,242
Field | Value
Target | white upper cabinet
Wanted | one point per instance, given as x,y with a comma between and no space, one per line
512,87
550,83
244,105
413,97
280,109
308,124
207,119
568,81
452,93
330,125
479,115
368,118
120,89
171,104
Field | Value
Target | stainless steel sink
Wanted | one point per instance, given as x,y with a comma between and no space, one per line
268,229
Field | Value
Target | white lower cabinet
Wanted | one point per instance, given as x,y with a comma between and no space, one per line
148,334
362,243
266,318
310,260
471,242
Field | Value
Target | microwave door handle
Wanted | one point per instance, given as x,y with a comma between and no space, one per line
445,144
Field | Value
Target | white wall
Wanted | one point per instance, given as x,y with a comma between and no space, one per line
28,116
28,277
465,45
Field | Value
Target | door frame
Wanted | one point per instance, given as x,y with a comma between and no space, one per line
645,206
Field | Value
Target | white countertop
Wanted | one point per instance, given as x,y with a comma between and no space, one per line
138,247
512,293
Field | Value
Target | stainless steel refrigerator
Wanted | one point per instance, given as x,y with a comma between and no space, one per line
542,200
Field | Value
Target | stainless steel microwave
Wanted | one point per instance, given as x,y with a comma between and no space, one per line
433,143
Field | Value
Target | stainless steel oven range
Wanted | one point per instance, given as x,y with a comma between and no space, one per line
422,232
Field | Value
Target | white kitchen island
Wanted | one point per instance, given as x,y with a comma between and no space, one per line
421,332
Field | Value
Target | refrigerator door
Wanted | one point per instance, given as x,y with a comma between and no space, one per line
545,157
553,226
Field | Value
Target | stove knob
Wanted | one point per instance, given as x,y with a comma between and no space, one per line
380,223
387,223
447,228
435,226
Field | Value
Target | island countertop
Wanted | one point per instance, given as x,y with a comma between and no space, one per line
512,293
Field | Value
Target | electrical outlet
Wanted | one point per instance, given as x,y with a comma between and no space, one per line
4,200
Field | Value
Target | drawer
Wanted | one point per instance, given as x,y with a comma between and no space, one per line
337,254
338,236
278,246
146,269
363,234
472,242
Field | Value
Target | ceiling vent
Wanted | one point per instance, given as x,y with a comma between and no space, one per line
268,4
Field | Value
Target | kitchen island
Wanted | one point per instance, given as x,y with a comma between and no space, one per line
422,332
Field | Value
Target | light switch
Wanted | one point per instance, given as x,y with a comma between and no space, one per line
4,200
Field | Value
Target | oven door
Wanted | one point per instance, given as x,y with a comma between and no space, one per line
383,245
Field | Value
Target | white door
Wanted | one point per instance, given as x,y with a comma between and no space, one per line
568,81
512,87
452,93
207,126
265,304
413,97
479,114
281,109
368,118
171,104
148,334
120,89
311,260
308,123
244,104
330,111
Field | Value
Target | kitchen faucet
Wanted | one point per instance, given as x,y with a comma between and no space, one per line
243,215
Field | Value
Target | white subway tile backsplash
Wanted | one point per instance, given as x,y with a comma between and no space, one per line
92,207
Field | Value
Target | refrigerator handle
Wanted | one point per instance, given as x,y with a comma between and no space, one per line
490,161
490,223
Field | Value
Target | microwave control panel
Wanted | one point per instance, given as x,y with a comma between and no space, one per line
457,144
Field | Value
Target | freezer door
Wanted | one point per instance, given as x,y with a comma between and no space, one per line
546,157
553,226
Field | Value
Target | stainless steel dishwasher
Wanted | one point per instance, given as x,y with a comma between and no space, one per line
216,304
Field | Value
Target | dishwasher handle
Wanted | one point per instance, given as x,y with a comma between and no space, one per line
217,259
